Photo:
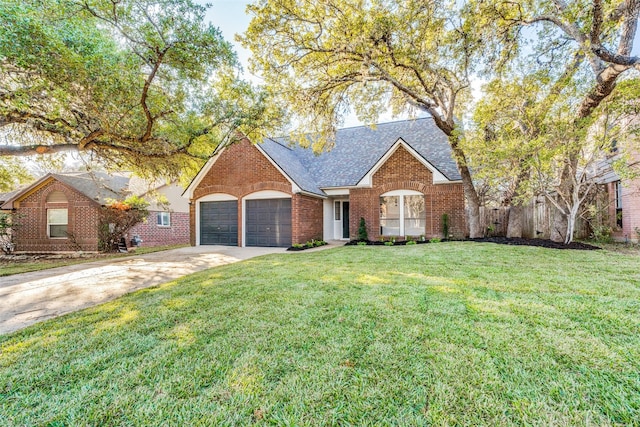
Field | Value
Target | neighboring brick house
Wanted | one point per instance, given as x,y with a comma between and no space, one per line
623,201
168,222
400,177
60,212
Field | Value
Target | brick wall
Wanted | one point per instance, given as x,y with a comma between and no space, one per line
630,210
242,170
307,216
83,216
402,171
153,235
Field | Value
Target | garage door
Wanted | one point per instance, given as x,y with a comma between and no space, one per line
219,223
268,222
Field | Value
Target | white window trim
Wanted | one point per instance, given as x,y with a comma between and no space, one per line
400,194
163,215
618,194
49,224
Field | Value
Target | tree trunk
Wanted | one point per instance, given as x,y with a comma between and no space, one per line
606,83
566,188
571,223
470,193
514,226
559,226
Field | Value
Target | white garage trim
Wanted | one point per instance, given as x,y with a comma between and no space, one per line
267,194
217,197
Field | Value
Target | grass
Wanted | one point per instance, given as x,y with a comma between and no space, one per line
7,268
438,334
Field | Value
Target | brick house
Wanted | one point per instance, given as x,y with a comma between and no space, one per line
623,201
60,212
399,177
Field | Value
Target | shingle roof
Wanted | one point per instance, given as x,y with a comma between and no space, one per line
357,150
97,186
6,196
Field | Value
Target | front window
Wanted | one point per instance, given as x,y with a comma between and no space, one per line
164,219
57,222
414,216
336,211
402,213
390,215
618,189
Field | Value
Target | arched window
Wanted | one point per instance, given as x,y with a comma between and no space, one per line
56,197
402,213
57,217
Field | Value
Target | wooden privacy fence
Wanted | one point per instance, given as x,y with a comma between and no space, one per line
537,220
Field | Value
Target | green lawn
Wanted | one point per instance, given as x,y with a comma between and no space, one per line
437,334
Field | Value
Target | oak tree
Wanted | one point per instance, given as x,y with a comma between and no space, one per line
327,57
143,85
602,31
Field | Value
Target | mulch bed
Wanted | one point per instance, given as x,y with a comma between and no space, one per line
506,241
537,242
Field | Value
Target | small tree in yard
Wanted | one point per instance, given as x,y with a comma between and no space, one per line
362,230
118,218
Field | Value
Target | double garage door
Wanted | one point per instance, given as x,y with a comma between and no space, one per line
267,223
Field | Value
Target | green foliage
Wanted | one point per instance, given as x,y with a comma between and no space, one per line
328,58
445,225
313,243
144,85
12,174
411,242
362,230
361,243
602,234
389,243
435,240
117,218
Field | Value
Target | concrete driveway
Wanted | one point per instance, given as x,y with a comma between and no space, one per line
32,297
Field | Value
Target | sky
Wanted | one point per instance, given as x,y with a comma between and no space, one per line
230,17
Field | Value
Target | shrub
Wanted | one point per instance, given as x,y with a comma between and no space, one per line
117,218
362,230
412,242
602,234
362,243
388,243
435,240
445,225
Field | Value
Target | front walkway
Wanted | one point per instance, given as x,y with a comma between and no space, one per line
32,297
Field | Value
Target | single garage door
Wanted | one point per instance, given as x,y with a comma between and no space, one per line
268,222
219,223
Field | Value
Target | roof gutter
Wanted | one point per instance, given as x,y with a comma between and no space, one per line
310,194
